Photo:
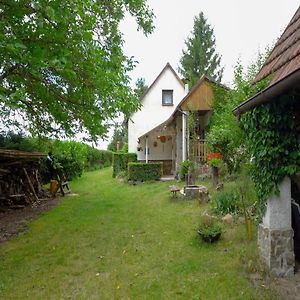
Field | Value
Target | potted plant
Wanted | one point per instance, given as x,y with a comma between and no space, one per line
214,159
209,230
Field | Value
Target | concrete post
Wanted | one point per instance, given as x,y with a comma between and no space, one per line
275,234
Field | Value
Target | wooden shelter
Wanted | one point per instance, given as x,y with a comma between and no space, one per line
19,178
279,232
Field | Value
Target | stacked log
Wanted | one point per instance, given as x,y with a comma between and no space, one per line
20,182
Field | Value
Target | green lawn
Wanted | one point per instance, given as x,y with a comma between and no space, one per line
116,241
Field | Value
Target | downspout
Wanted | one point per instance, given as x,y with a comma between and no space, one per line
146,149
184,127
183,136
184,117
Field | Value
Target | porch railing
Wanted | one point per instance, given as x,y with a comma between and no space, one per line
198,151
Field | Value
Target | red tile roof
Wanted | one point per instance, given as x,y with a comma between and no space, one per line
285,57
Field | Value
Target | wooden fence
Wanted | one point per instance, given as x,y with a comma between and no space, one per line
198,151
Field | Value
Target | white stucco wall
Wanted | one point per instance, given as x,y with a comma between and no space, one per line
278,212
162,151
153,113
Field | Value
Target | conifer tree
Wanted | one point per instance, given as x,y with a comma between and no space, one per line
140,87
200,56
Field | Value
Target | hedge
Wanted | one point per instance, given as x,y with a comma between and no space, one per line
71,158
144,172
121,160
97,159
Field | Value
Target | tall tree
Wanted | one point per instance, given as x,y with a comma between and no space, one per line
120,136
200,56
62,67
225,134
140,87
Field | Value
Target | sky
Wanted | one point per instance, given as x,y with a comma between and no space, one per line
241,28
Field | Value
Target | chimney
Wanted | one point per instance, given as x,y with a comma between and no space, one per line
186,89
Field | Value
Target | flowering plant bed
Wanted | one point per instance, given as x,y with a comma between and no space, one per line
214,159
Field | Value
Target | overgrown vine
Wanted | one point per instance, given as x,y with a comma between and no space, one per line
273,140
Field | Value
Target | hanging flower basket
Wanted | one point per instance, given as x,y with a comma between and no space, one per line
162,138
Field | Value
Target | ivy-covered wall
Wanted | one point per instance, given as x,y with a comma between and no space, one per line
273,140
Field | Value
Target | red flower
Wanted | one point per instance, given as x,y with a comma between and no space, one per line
212,155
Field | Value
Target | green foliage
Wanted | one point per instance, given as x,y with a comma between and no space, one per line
74,157
19,141
70,158
226,202
120,136
200,56
215,162
225,134
273,140
144,172
97,159
124,148
140,87
209,229
63,69
187,166
121,160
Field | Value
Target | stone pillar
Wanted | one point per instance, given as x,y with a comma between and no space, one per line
275,234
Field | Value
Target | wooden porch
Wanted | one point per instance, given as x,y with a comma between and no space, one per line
198,151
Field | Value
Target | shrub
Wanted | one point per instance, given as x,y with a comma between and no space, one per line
70,158
226,202
144,172
185,167
121,160
97,159
124,148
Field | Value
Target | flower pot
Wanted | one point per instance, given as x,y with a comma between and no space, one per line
54,185
215,176
209,238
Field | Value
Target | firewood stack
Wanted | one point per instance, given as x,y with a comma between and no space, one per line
20,183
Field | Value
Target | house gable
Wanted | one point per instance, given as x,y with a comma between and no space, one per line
167,66
153,112
200,99
201,95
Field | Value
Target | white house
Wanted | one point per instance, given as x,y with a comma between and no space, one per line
159,131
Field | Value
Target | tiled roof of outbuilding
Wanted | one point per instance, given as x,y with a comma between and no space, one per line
285,57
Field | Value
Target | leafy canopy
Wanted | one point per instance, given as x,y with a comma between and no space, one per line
200,56
62,68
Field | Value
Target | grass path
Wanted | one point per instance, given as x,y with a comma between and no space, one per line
116,241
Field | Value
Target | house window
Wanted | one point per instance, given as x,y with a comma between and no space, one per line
167,97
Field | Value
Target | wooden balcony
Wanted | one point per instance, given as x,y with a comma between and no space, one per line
198,151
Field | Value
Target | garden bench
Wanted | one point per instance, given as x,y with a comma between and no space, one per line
174,190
